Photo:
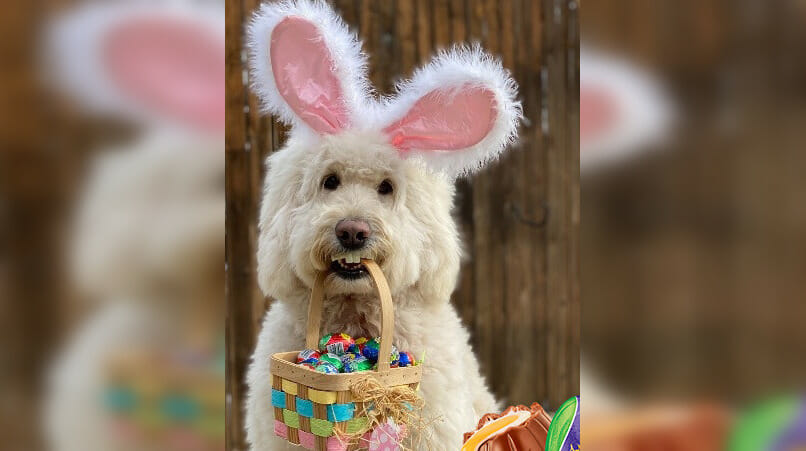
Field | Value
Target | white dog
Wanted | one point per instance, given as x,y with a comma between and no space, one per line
360,177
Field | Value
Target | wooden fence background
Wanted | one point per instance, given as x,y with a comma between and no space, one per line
694,258
518,292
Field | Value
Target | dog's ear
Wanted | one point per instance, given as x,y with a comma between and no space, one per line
457,113
306,66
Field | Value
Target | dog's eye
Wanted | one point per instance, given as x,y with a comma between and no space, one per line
331,182
385,187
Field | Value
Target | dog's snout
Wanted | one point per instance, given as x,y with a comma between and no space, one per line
353,233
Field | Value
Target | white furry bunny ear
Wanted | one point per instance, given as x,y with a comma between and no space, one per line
306,66
457,113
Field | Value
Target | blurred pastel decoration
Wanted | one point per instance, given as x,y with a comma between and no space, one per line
157,64
623,110
154,397
387,437
564,431
777,424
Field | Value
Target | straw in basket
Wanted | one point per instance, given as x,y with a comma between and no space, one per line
316,410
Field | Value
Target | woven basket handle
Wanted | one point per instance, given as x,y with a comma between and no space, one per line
387,312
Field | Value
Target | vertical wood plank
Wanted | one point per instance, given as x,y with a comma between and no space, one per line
366,20
320,411
554,141
512,324
389,47
342,397
522,293
561,195
239,248
406,36
489,223
424,40
458,16
348,11
534,188
574,332
258,144
442,24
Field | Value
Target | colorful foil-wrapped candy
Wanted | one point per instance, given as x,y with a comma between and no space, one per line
342,353
336,343
332,359
394,357
406,359
359,363
309,356
372,347
358,346
347,357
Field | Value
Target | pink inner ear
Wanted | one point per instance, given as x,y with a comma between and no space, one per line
598,112
446,121
303,72
172,66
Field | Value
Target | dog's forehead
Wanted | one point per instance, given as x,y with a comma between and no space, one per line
360,154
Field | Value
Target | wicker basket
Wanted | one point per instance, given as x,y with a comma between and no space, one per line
312,408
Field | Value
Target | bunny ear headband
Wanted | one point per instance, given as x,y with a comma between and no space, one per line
148,62
457,113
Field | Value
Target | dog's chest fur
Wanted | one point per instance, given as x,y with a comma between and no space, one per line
358,316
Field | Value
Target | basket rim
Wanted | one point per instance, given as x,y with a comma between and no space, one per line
283,364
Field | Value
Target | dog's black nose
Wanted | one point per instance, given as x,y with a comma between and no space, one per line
353,233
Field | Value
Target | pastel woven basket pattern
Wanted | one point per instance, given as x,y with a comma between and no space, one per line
316,410
314,418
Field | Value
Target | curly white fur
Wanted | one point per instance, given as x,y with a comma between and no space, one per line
414,238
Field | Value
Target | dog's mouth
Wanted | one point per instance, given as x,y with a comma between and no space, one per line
348,266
